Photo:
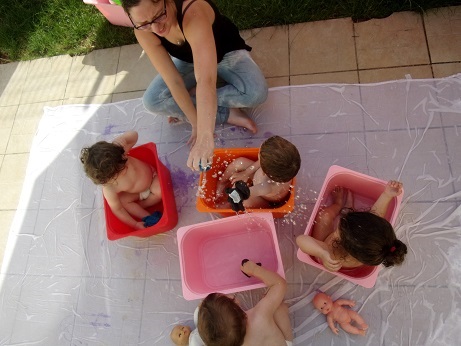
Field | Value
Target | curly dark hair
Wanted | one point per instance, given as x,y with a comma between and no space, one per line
103,161
370,239
279,159
221,321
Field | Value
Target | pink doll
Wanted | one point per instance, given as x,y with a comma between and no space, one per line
336,313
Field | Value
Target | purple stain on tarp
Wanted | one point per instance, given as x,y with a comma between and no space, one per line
268,134
183,180
108,129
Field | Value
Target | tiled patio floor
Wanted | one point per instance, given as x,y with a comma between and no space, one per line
334,51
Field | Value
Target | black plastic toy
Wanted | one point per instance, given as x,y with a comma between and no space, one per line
237,195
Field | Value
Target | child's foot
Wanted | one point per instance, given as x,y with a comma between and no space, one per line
349,200
338,195
239,118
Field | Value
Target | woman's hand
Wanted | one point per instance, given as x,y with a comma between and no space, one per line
201,154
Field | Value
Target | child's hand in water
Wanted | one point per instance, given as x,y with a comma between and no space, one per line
330,263
243,175
393,188
249,267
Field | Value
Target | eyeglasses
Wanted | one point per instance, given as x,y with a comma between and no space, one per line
146,26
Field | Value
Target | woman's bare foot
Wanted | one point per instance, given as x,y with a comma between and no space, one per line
175,121
239,118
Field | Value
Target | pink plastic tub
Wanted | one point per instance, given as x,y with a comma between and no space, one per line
210,253
114,13
366,191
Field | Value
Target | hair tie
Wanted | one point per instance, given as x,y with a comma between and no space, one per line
392,249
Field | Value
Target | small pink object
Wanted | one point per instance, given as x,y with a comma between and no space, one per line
113,12
366,191
167,206
210,253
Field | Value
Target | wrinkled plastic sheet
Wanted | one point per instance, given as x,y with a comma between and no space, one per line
64,283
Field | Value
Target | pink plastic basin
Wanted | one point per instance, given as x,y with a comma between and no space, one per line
366,191
210,254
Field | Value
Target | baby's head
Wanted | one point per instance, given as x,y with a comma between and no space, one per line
103,161
180,335
279,159
322,303
221,321
370,239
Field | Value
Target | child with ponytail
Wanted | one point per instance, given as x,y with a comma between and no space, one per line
345,238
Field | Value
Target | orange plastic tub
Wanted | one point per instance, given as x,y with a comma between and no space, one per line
206,201
116,229
366,191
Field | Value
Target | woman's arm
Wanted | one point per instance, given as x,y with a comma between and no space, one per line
162,62
197,26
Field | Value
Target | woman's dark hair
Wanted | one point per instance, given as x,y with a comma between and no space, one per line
279,159
128,4
221,321
103,161
370,239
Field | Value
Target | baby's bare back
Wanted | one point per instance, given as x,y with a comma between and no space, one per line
278,191
261,331
136,178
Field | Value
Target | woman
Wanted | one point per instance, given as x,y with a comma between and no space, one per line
190,43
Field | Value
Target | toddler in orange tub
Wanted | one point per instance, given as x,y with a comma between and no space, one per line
271,175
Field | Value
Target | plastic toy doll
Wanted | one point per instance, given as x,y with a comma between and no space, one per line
336,313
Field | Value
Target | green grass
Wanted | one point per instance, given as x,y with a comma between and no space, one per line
31,29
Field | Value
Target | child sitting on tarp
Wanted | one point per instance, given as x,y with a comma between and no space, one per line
128,184
221,320
278,163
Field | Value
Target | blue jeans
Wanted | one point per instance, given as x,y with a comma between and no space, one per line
245,87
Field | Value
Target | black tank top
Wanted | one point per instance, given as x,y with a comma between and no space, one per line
226,35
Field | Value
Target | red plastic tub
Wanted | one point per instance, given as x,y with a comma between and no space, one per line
366,191
116,229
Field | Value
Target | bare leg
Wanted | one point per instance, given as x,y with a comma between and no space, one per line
239,118
324,221
282,320
155,195
131,205
256,202
358,319
351,329
349,200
